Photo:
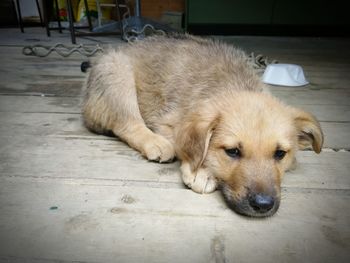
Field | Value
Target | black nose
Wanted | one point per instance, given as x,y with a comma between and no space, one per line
261,203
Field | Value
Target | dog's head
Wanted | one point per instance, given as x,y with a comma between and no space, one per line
248,142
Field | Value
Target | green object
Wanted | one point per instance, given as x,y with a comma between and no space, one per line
229,11
53,207
268,12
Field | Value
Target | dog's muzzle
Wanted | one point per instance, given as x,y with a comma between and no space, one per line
253,204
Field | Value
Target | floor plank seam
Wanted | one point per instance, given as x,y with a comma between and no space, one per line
336,149
39,95
43,112
93,181
157,184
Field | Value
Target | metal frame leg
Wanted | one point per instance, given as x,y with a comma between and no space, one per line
88,14
46,17
19,16
39,11
58,16
71,21
99,12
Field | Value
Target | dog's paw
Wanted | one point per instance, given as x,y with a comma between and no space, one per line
158,149
204,183
201,182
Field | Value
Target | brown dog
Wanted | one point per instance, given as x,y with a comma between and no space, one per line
200,101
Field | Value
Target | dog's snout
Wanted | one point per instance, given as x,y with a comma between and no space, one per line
261,203
253,202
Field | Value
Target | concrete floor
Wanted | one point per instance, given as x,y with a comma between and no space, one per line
67,195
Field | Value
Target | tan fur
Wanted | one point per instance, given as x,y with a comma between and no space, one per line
195,98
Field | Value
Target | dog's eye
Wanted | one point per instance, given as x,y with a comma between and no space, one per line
233,153
279,154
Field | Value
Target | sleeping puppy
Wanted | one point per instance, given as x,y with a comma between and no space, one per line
200,101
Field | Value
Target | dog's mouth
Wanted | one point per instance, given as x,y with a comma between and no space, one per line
252,204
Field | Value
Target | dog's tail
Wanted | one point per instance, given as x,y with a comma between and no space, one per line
84,66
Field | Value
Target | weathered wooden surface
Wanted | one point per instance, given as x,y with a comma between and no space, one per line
97,223
67,195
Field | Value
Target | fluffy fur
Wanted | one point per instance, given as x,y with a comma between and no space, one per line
200,101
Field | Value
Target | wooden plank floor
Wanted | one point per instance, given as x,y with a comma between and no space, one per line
67,195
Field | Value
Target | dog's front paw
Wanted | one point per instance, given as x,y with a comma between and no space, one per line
158,149
204,182
201,182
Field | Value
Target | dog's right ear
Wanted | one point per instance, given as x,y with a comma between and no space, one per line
193,138
309,130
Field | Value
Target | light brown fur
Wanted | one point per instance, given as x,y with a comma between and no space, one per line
194,99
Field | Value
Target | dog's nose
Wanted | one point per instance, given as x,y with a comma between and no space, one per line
261,203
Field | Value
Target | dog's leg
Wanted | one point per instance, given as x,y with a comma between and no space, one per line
153,146
112,104
131,128
202,181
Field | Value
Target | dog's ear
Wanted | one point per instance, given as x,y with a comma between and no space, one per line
193,138
309,131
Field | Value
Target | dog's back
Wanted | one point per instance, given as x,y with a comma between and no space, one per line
177,72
